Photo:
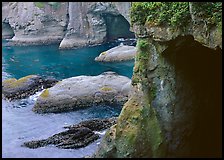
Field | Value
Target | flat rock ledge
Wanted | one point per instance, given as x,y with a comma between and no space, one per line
108,88
24,87
78,135
118,53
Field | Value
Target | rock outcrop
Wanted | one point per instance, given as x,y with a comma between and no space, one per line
7,31
175,109
79,135
90,23
119,53
36,22
83,91
25,86
72,24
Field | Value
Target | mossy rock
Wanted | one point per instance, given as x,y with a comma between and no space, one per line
106,89
39,4
9,81
103,53
12,82
25,86
45,93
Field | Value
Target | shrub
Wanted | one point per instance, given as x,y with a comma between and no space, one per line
160,13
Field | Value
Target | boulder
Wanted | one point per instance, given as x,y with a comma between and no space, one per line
79,135
118,53
83,91
25,86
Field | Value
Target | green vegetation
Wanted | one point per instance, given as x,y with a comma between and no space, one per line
160,13
141,60
176,14
12,82
152,92
45,93
212,11
106,89
104,53
54,5
39,4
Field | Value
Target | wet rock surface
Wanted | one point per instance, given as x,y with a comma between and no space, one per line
79,135
26,86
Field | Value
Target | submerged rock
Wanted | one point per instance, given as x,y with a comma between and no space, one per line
83,91
24,87
119,53
79,135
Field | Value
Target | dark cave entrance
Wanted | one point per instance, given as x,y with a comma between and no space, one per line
7,31
200,68
117,27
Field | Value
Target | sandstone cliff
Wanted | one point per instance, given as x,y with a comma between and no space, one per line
175,109
72,24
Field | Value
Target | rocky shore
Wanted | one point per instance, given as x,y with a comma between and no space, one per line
77,136
25,86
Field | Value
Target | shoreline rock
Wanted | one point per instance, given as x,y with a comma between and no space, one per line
15,41
118,53
84,91
78,135
25,86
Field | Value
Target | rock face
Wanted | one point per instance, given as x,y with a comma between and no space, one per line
79,135
72,24
36,22
24,87
7,31
84,91
119,53
175,109
90,23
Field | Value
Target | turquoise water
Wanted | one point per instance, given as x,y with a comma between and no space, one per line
21,124
50,61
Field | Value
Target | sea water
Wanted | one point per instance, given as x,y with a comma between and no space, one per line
20,124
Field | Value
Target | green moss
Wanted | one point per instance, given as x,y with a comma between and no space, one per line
54,5
45,93
104,53
15,83
152,92
142,58
211,11
135,80
176,14
138,132
39,4
151,128
160,13
127,128
9,81
106,89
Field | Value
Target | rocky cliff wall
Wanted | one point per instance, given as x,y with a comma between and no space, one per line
88,23
175,109
72,24
35,23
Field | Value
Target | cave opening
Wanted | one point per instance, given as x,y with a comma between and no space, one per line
117,27
200,68
7,31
